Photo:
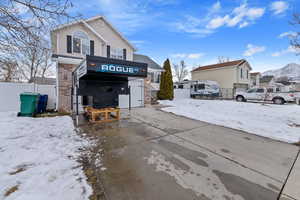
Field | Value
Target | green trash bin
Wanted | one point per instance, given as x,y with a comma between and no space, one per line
29,103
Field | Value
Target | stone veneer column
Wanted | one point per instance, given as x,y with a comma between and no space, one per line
64,86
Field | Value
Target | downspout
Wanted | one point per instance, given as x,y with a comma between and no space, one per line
57,87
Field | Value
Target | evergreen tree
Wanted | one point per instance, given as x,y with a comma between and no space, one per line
166,84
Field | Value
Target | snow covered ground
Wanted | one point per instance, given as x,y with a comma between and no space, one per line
38,157
279,122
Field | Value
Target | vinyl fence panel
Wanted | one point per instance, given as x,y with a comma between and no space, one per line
10,94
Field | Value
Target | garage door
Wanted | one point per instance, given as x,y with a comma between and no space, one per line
137,94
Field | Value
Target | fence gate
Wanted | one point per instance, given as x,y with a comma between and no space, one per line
136,94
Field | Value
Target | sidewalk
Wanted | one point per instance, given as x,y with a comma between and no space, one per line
292,187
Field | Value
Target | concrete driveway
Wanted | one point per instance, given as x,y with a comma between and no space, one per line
154,155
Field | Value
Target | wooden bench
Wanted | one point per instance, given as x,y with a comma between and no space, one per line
103,114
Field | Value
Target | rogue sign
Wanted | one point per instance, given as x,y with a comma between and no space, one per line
118,69
115,67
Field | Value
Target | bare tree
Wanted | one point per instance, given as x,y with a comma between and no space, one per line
21,18
295,39
222,59
180,71
8,70
24,32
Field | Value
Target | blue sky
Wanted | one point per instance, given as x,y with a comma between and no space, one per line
198,31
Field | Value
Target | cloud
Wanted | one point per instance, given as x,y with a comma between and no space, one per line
195,55
290,49
189,56
193,26
241,16
216,7
252,49
289,34
217,22
178,55
279,7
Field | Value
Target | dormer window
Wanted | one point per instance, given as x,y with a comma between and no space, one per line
81,43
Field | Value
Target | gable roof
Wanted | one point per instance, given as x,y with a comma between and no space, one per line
84,22
145,59
254,73
219,65
266,79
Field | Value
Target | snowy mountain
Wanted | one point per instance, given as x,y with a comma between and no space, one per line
291,70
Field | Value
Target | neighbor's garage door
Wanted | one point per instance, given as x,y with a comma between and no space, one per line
137,94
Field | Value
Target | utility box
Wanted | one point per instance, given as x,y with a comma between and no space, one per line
28,104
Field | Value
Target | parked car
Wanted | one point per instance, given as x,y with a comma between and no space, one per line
266,94
204,88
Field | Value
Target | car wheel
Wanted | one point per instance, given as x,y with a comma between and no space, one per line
278,101
240,98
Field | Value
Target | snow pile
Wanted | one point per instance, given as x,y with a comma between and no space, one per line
280,122
38,155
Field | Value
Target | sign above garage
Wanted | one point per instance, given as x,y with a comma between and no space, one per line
116,67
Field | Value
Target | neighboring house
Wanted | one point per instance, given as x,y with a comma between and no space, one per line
154,72
185,84
96,37
43,81
229,75
267,81
254,79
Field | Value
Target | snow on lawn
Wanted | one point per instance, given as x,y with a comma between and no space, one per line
279,122
38,156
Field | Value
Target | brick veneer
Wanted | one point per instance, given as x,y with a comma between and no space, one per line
64,86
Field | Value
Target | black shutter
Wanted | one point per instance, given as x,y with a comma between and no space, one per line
92,44
69,44
108,51
124,54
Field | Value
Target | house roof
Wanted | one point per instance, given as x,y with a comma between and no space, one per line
254,73
266,79
84,22
219,65
145,59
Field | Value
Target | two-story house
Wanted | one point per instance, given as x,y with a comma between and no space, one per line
255,79
229,75
96,37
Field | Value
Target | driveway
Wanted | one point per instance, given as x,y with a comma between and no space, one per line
154,155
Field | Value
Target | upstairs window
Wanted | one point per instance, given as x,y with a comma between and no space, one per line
241,73
116,53
81,43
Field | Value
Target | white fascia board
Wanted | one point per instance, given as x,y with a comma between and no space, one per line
95,32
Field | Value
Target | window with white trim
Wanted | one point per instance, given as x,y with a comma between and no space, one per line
81,43
116,53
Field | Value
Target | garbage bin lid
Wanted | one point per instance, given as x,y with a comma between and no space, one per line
29,94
